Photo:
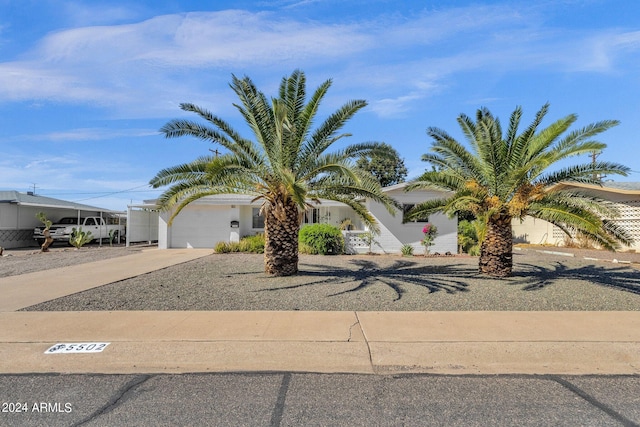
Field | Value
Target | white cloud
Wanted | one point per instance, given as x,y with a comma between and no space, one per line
79,14
393,107
146,68
605,49
84,134
199,39
151,66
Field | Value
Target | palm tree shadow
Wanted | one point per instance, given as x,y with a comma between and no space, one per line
536,277
445,278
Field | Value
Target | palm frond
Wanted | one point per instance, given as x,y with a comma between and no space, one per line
584,173
286,162
583,213
510,173
326,134
429,207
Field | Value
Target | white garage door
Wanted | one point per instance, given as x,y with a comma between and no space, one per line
200,227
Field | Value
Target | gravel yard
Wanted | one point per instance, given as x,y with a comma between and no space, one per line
27,260
541,281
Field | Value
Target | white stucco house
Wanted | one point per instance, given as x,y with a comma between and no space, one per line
18,215
625,195
227,217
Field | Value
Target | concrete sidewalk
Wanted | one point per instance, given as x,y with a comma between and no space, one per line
33,288
356,342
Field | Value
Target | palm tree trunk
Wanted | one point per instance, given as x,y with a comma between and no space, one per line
496,252
281,228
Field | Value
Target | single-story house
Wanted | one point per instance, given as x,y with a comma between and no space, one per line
18,215
625,196
229,217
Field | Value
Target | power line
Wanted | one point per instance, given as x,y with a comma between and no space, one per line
112,193
105,193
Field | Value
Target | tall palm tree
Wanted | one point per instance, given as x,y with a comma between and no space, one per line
287,166
507,177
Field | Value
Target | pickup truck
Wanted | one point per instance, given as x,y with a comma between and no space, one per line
62,229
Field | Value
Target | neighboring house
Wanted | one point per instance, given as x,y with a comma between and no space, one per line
625,195
18,215
227,217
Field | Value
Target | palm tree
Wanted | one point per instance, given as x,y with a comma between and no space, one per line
287,166
508,177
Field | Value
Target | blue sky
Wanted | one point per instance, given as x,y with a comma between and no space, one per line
85,85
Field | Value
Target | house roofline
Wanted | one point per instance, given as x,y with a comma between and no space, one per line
598,188
34,200
240,200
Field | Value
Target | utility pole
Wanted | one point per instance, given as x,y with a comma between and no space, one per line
594,156
216,152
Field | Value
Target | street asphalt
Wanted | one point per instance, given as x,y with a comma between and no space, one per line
310,399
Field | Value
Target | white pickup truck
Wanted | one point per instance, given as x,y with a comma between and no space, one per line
62,229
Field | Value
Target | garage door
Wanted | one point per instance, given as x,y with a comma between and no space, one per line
200,227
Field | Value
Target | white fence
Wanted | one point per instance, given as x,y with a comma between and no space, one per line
142,225
358,242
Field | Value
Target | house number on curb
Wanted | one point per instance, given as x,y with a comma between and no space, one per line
79,347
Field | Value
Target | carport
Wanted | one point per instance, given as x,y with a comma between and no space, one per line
18,215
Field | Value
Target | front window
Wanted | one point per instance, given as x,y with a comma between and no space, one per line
405,210
312,216
258,220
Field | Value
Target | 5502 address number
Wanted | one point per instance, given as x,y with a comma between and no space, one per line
83,347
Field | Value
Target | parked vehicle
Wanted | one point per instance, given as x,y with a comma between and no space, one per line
100,229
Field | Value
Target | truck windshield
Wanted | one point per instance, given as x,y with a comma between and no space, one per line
70,220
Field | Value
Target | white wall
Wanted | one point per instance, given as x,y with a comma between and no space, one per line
142,225
246,221
12,233
537,231
196,226
394,234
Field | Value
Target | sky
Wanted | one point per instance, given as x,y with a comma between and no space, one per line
85,86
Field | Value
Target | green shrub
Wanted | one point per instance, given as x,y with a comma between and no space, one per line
253,244
323,239
79,238
227,247
470,235
43,219
222,248
303,248
407,250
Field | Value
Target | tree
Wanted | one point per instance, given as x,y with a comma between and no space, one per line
48,240
287,166
388,169
509,177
